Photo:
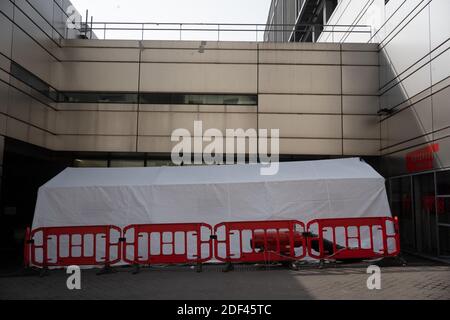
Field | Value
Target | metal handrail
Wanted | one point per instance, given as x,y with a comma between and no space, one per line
219,29
229,24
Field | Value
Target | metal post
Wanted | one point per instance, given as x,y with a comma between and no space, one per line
92,22
436,209
218,32
104,32
181,28
86,24
143,27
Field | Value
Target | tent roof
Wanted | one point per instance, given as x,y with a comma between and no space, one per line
352,168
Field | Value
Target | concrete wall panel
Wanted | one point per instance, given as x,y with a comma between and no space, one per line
198,78
300,79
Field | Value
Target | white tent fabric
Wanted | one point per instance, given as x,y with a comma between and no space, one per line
211,194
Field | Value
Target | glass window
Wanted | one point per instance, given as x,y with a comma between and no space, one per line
425,213
443,210
159,163
443,183
127,163
90,163
158,98
198,99
98,97
444,241
33,81
401,205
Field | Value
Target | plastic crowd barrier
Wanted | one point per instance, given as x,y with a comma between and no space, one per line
167,243
353,238
230,242
65,246
259,241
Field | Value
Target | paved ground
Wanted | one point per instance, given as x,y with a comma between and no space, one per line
418,280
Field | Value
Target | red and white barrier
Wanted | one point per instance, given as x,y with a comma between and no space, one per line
353,238
230,242
167,243
258,241
65,246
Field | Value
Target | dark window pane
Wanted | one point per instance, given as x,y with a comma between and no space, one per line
198,99
98,97
444,241
159,163
401,205
425,213
90,163
158,98
33,81
127,163
443,183
443,210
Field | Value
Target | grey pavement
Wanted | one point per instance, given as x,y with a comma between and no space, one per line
415,281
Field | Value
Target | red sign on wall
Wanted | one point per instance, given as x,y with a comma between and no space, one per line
422,159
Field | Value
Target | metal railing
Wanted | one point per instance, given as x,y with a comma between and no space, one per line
223,31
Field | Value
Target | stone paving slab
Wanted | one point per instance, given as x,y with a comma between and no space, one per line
428,281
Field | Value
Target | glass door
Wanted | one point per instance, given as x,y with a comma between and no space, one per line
425,214
443,211
402,207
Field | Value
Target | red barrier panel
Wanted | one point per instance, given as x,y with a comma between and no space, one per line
259,241
167,243
185,243
353,238
65,246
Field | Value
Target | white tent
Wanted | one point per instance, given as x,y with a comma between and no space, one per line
211,194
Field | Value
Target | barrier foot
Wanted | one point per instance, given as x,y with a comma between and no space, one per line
322,264
137,269
289,265
106,270
199,268
294,266
44,272
30,271
400,259
229,267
